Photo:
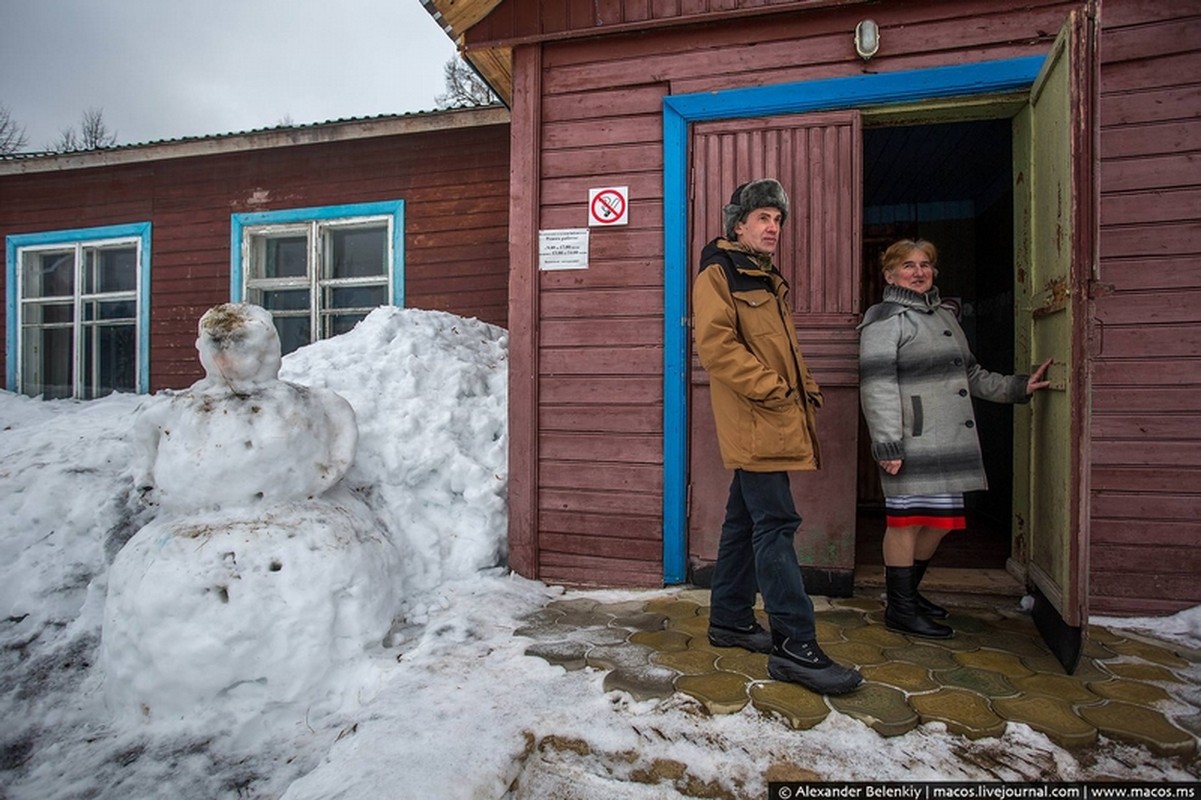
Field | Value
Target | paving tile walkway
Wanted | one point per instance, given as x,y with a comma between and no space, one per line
996,670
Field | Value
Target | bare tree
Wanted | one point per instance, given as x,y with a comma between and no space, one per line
464,87
93,134
12,135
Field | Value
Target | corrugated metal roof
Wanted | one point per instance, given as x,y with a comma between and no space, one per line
258,138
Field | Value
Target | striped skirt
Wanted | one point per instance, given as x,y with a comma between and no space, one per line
930,510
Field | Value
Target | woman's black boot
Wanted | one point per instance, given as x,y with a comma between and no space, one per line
902,615
924,606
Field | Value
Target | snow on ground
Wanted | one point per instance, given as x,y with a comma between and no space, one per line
443,704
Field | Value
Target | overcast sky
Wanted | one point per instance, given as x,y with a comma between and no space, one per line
163,69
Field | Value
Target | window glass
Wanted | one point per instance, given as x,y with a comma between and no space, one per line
358,252
110,269
285,300
108,360
48,273
78,337
364,297
293,333
47,355
286,256
318,277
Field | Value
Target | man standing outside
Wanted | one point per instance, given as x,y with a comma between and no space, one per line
764,403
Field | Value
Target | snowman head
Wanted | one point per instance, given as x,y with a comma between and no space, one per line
238,346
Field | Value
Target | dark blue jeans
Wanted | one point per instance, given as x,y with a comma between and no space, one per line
756,550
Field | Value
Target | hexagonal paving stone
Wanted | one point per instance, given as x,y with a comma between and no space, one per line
876,635
883,708
543,616
1137,692
1006,664
857,603
624,607
1149,652
1017,643
827,632
961,642
751,665
672,607
1097,650
661,640
612,656
574,605
845,619
1049,715
802,708
1062,687
967,623
909,678
694,626
856,653
1142,672
963,712
640,621
567,654
981,681
1131,723
719,692
688,662
923,655
647,682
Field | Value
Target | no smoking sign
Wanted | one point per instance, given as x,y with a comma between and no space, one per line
609,206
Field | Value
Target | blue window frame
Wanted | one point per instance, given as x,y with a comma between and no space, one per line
318,270
78,308
679,111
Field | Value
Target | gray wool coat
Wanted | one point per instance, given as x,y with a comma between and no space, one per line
917,378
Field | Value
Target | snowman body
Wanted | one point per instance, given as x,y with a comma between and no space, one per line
260,579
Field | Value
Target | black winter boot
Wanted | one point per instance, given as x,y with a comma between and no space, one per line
804,662
751,637
902,615
925,606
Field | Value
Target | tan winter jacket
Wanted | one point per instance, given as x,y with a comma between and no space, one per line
764,398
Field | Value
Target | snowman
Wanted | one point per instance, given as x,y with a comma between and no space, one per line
261,577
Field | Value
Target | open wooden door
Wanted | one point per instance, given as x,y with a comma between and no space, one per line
1055,247
817,158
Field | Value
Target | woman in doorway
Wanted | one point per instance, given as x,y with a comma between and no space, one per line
917,378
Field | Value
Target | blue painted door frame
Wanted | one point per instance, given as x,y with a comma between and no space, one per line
859,91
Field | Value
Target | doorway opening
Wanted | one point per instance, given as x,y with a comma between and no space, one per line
951,183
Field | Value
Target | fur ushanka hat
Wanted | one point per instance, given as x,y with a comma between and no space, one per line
766,193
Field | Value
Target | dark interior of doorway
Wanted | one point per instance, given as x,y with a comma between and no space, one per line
952,184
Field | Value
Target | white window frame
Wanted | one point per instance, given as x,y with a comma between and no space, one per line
313,223
18,245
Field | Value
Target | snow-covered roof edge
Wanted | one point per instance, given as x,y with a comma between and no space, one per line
258,139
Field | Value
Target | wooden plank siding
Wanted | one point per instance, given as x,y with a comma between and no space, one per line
588,509
454,182
1145,528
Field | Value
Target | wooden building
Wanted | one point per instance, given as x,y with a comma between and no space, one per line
113,255
1051,148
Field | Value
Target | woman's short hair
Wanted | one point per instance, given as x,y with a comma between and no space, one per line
892,258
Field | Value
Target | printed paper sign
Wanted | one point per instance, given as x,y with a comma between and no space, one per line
566,248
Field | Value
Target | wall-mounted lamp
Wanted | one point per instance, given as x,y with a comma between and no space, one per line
867,39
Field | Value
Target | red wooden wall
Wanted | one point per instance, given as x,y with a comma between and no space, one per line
1146,402
454,182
